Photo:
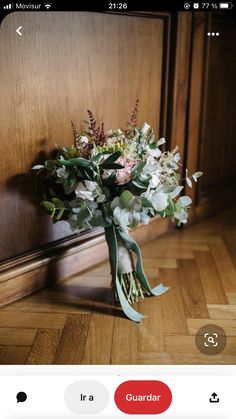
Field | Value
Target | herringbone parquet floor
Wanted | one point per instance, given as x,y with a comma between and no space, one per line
73,322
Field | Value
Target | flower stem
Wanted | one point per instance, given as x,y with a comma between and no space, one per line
131,287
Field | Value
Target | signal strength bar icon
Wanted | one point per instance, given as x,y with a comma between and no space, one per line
8,6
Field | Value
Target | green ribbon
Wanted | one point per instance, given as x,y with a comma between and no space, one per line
111,233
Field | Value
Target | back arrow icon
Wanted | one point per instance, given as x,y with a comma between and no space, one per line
18,30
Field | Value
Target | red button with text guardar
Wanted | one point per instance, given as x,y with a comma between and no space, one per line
143,397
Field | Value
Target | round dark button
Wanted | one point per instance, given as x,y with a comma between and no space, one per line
211,339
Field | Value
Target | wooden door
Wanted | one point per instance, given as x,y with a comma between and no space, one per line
62,65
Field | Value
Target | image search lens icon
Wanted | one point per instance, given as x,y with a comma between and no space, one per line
21,397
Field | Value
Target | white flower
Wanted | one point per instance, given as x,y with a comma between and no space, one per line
152,155
145,128
155,180
38,166
121,216
150,170
106,174
159,201
83,140
176,191
185,200
87,190
154,152
82,192
177,157
94,152
182,216
188,180
61,172
161,141
197,175
91,186
101,198
111,140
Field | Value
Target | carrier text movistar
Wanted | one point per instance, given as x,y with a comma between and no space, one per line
28,6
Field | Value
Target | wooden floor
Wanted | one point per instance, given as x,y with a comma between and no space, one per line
73,323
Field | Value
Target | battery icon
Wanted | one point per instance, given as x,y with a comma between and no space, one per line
226,5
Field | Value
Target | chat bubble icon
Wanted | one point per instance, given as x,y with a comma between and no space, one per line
21,397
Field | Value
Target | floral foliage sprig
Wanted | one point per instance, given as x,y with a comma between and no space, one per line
121,176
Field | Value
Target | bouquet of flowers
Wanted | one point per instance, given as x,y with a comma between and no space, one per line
118,180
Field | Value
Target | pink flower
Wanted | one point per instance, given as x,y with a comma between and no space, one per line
123,175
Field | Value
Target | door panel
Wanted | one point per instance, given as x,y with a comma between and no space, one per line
62,65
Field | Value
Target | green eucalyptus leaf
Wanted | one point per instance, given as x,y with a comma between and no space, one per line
105,191
197,175
171,204
138,169
48,205
110,166
70,183
65,163
82,216
69,189
178,206
53,213
144,218
90,204
134,218
110,180
97,219
113,157
176,191
89,174
125,197
189,182
186,201
121,216
159,201
139,185
60,213
79,161
76,203
115,203
50,164
101,198
135,204
153,146
182,216
58,203
146,203
76,210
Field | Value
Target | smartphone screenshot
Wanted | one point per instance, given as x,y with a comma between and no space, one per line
117,210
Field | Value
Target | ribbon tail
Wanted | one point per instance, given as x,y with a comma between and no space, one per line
133,246
128,310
